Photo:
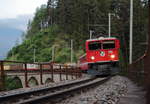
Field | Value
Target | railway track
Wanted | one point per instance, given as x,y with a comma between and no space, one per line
51,94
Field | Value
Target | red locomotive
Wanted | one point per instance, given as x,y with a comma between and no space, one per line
102,56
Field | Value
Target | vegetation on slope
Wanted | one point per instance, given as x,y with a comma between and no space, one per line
56,23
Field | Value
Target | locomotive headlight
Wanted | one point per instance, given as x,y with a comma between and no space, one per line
92,57
112,56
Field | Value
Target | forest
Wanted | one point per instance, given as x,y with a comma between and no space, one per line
60,21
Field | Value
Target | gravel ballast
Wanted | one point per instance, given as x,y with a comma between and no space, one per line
114,91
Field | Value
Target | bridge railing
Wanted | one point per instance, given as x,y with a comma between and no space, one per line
39,68
136,71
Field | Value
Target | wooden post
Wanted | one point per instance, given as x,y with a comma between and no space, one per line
60,73
26,75
2,76
52,72
41,74
72,72
76,73
80,73
66,70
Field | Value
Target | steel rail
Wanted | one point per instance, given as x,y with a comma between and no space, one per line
27,94
51,97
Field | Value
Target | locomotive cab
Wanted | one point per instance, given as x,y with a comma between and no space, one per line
102,55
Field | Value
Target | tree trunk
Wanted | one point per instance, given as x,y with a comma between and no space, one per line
147,60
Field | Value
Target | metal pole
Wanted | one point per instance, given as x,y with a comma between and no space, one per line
71,51
53,53
109,24
91,34
34,55
131,31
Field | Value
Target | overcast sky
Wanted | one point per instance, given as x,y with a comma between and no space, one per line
14,17
13,8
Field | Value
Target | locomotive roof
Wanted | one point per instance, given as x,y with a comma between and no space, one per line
102,38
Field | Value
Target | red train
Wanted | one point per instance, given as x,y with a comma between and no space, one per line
102,56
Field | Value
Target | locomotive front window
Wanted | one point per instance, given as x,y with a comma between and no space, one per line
108,44
94,46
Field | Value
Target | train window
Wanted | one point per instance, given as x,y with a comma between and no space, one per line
108,44
94,46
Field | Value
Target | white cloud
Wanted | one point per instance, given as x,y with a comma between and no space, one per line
17,23
13,8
